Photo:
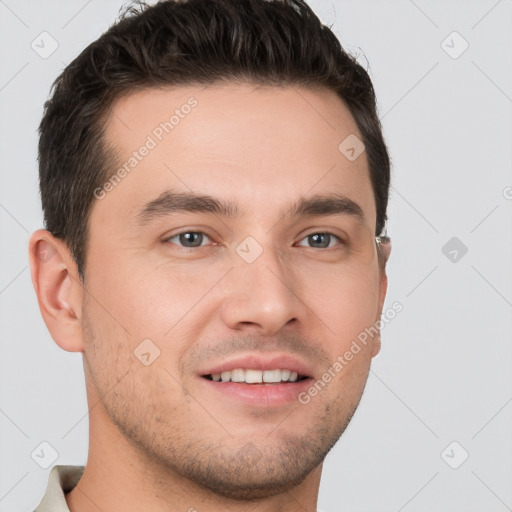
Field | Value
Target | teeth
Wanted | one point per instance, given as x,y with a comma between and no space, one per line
256,376
253,376
272,376
237,375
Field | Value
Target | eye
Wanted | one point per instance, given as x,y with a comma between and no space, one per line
188,239
322,240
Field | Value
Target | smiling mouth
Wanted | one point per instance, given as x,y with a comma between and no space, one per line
252,376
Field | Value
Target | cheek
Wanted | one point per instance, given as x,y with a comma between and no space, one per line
139,298
347,305
346,300
136,303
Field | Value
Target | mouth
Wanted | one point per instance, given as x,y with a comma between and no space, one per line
257,381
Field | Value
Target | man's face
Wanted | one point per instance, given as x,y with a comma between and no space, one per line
284,289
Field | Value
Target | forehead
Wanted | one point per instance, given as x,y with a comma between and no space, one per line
248,144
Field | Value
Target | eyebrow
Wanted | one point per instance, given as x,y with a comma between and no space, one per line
189,202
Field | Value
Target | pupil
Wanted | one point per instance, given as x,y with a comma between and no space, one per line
317,236
190,237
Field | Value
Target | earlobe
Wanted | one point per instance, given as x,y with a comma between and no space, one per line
58,289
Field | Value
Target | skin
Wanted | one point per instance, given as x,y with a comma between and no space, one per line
159,439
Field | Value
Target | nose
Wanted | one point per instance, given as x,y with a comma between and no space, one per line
263,296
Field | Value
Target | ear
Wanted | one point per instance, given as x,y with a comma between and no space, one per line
384,250
58,288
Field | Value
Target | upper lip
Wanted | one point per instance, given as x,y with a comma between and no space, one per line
260,362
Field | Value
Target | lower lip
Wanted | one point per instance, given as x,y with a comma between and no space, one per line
260,395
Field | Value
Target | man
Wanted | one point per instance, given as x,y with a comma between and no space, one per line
214,182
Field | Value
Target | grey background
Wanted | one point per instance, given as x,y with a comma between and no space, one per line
443,374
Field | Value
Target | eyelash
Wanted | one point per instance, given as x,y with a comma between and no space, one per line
306,237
